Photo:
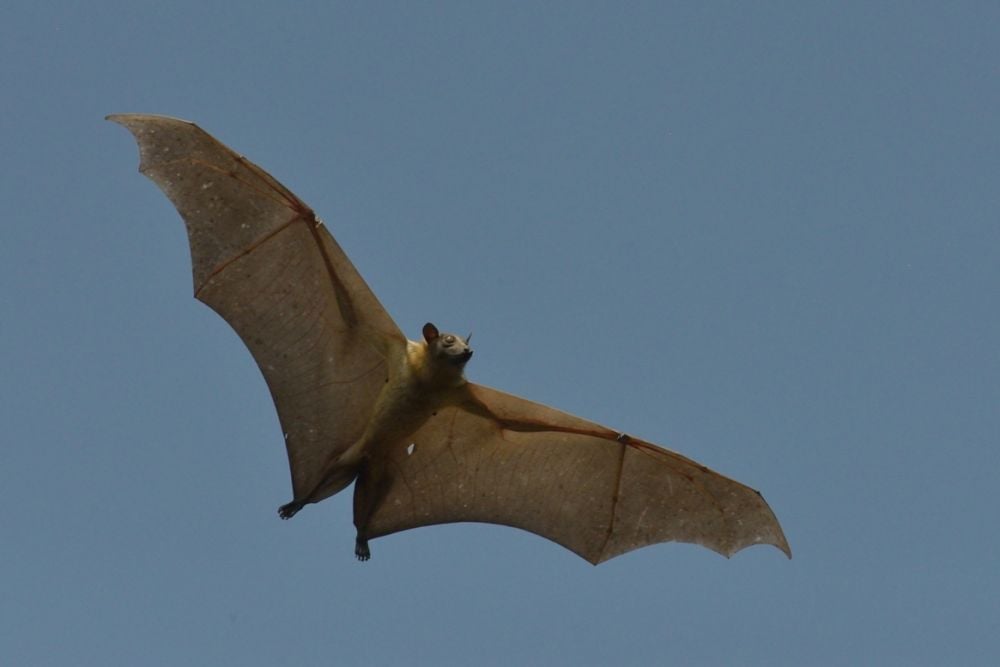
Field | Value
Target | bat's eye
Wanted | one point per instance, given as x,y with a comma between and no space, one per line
449,340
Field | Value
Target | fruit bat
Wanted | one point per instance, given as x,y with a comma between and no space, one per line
358,402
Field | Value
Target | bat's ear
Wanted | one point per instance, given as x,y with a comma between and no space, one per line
430,332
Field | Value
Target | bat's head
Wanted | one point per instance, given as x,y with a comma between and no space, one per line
448,352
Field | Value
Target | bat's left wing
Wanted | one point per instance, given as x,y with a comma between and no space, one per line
262,260
492,457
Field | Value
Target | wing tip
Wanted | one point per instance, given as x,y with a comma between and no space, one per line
122,118
780,545
139,123
784,548
727,551
773,537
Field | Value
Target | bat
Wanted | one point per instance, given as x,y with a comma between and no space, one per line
360,403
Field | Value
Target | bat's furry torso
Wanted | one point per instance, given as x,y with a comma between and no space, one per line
417,382
425,376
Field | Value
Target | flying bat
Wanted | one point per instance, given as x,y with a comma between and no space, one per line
358,402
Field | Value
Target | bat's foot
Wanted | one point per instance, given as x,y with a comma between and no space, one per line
289,510
361,550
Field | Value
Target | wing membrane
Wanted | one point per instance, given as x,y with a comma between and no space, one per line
263,261
498,458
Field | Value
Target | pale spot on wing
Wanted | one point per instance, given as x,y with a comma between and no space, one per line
410,448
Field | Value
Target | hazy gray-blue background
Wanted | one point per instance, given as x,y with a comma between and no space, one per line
766,235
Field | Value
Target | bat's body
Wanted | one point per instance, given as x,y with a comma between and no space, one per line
359,402
418,384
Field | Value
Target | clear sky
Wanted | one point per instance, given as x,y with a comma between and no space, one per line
766,235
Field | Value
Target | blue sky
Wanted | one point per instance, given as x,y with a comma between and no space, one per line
762,234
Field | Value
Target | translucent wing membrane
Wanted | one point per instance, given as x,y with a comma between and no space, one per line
264,262
505,460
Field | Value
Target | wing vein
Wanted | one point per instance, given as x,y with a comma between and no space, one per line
614,504
249,249
343,297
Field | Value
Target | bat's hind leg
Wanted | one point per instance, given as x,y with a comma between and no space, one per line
289,510
361,549
369,488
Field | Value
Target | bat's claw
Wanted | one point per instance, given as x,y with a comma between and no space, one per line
361,550
289,510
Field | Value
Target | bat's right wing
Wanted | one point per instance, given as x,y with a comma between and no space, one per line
265,263
496,458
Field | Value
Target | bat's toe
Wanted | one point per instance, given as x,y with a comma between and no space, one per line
289,510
